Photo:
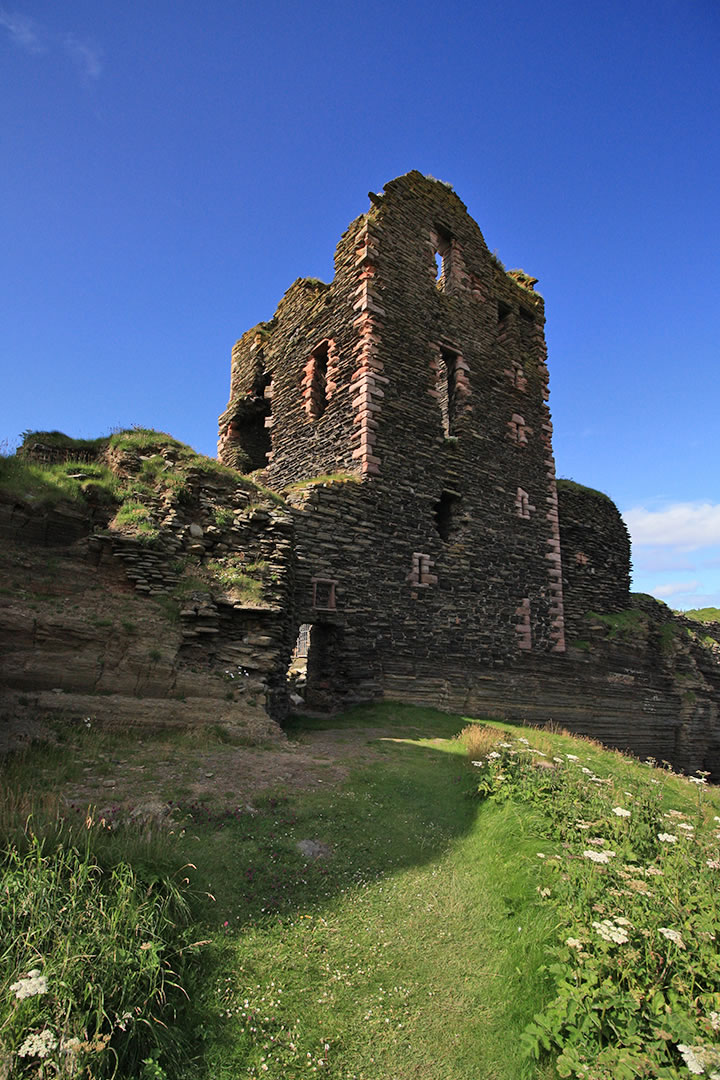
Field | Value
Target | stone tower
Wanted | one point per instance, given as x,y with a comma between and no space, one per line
419,376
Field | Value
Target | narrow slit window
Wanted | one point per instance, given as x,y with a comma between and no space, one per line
446,389
318,397
442,245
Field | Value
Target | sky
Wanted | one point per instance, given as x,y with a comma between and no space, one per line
168,168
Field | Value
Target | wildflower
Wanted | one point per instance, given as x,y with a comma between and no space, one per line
715,1021
716,818
558,760
478,764
608,931
38,1045
672,935
597,841
31,984
505,745
588,772
525,741
544,892
619,812
574,943
493,755
540,854
572,757
667,838
714,864
699,1058
653,871
697,779
684,825
599,856
674,813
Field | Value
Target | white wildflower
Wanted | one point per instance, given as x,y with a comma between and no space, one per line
544,892
672,935
599,856
572,757
653,780
524,741
674,813
700,1058
608,930
38,1045
653,871
588,772
505,745
493,755
478,764
597,841
619,812
667,838
697,779
582,825
715,1021
716,818
684,825
714,864
540,854
558,760
573,943
31,984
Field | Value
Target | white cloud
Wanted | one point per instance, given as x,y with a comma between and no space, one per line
24,31
676,588
683,525
87,56
30,35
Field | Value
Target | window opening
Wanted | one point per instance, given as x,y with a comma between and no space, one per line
503,311
249,430
442,244
446,513
446,389
318,397
323,594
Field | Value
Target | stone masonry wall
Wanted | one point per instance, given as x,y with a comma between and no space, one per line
432,389
595,554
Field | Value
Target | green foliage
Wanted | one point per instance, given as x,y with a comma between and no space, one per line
134,517
632,880
91,961
71,481
564,484
627,625
242,578
62,441
706,614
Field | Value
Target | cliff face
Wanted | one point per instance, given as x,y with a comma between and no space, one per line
157,596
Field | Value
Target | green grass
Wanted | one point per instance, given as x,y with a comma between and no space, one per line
566,484
418,947
706,614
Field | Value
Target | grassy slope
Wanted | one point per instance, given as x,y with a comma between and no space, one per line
414,951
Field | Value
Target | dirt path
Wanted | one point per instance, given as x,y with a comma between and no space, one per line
126,777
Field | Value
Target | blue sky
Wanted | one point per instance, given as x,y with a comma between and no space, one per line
170,167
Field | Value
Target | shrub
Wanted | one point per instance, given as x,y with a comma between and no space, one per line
91,961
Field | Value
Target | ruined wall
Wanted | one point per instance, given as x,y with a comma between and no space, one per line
595,548
420,370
